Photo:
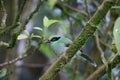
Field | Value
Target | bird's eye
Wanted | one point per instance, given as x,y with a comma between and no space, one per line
55,38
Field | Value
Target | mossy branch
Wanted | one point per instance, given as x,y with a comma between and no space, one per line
87,32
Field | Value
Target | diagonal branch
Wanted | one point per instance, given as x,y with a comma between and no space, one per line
87,32
86,9
72,8
24,54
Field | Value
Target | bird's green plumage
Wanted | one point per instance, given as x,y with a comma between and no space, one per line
60,45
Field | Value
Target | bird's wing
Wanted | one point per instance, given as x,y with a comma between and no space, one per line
58,47
65,41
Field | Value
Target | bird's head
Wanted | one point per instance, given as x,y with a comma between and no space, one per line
53,38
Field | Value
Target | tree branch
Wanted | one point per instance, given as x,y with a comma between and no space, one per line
72,8
87,32
101,70
86,9
3,23
16,21
100,49
15,34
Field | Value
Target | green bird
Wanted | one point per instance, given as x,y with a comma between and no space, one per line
59,44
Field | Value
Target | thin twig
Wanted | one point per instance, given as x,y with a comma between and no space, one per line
107,64
69,15
86,9
98,73
100,49
20,57
23,55
3,23
13,61
30,16
22,28
16,21
101,70
72,8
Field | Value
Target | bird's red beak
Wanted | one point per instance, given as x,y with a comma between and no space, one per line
47,41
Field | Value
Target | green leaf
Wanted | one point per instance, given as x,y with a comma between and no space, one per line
47,22
38,28
52,3
3,73
116,33
46,50
116,7
22,36
37,36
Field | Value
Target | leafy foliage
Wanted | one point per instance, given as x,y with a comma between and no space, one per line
116,33
47,22
52,3
22,36
3,73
